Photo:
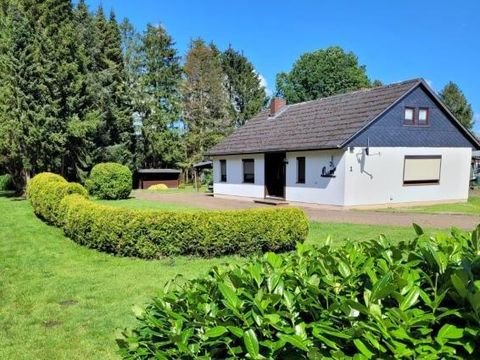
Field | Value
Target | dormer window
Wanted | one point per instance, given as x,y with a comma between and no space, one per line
409,116
423,116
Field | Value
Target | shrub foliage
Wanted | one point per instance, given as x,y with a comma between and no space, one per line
110,181
156,233
368,300
6,182
46,191
158,187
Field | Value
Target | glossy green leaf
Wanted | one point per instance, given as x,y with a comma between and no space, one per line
216,331
251,343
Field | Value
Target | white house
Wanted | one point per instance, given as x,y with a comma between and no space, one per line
386,145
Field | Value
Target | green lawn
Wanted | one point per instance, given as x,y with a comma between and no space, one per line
146,204
472,207
59,300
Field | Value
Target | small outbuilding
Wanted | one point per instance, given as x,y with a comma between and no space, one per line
148,177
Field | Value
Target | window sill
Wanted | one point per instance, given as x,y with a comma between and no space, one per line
417,125
423,184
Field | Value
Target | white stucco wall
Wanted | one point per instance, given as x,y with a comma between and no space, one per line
317,189
378,178
235,185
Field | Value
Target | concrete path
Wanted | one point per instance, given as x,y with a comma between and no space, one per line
319,213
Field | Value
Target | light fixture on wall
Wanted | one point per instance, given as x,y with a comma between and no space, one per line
367,149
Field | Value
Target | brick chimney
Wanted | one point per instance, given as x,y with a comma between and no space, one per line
276,105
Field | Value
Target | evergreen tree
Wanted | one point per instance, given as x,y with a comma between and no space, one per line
113,139
205,100
457,103
161,104
133,62
245,92
322,73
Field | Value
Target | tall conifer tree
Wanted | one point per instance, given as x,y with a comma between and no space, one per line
205,100
245,92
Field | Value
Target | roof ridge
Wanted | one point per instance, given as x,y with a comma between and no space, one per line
413,81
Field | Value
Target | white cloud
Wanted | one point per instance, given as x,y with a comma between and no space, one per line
430,83
264,83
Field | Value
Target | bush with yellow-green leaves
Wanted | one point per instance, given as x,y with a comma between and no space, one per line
158,187
158,233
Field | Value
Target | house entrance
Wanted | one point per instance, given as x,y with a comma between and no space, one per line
275,175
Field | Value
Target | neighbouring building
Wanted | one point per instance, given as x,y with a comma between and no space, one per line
144,178
385,145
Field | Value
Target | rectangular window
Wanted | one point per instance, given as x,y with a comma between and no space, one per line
422,170
300,170
409,116
423,116
223,170
248,171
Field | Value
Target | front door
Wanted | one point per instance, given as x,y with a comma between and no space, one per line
275,175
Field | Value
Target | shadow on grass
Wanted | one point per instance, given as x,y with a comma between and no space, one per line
12,195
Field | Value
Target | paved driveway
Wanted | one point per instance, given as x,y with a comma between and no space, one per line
317,213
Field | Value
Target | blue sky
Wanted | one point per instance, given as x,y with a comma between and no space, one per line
396,40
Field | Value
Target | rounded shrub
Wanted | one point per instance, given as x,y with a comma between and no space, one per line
46,191
110,181
365,300
158,233
158,187
35,185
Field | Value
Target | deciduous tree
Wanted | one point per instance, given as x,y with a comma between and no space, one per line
322,73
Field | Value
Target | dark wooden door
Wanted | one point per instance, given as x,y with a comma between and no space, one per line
275,174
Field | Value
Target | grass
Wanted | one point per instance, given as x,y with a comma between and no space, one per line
59,300
471,207
146,204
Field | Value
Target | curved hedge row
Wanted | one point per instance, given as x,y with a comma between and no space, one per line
153,233
46,191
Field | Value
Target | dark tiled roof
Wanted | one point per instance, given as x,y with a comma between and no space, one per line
158,171
318,124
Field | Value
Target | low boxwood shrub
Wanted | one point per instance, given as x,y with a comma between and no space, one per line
157,233
110,181
35,185
158,187
46,190
369,300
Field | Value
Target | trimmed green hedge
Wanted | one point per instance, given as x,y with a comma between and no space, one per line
110,181
154,233
46,191
365,300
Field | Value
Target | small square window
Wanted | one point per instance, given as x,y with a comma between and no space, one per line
409,115
423,116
